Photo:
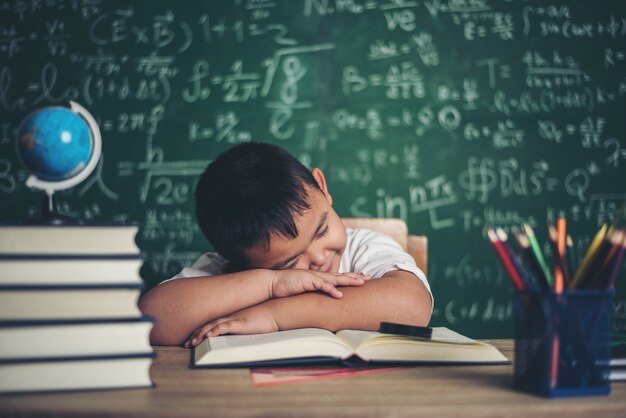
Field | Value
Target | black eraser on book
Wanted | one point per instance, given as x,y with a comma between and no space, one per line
408,330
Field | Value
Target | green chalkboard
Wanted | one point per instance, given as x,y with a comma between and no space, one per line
449,114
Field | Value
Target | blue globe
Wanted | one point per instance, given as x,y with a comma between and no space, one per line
54,143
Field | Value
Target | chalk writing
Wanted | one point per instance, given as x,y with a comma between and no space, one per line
450,114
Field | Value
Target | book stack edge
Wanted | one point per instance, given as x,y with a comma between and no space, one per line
69,318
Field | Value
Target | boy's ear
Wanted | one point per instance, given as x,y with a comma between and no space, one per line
318,175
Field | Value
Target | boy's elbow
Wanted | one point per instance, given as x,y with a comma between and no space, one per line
165,334
424,312
416,305
161,334
147,305
159,337
417,311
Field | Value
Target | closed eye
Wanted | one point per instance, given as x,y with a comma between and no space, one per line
322,233
319,235
292,265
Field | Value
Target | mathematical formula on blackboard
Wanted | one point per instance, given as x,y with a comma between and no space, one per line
451,115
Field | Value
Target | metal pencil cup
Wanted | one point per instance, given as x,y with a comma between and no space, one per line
562,342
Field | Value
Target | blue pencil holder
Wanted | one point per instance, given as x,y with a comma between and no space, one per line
562,342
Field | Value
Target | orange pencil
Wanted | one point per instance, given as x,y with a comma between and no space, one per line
561,239
558,239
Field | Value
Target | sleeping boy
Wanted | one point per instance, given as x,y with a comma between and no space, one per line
283,259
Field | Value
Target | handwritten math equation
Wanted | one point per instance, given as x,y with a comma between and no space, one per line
450,114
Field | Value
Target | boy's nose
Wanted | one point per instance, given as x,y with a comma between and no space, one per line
316,259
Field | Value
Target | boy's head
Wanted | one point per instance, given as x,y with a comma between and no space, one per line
261,208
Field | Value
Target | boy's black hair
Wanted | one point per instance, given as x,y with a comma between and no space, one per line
249,192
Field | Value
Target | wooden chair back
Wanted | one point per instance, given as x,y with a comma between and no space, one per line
415,245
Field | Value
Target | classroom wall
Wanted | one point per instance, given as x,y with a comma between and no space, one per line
452,115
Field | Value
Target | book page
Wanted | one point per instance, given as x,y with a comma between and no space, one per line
440,334
298,343
230,341
444,346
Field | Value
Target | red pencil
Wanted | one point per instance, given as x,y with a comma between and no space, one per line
504,258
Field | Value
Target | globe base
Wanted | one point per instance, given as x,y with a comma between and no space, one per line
49,216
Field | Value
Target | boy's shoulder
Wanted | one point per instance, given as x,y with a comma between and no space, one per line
208,264
357,237
366,244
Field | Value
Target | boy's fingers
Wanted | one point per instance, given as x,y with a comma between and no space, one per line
353,275
348,280
325,286
226,327
331,290
195,339
201,333
360,276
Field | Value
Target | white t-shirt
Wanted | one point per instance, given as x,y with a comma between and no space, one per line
367,252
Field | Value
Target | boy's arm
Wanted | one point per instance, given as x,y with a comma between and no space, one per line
398,296
181,306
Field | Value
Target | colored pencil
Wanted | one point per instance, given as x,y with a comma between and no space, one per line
504,258
617,264
528,256
599,276
554,363
515,260
557,283
561,225
557,272
571,256
534,245
598,259
589,256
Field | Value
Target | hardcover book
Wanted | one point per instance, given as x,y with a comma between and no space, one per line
346,347
63,240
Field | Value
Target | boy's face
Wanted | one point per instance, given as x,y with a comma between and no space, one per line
320,242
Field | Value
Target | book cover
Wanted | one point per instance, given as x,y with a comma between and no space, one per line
67,270
111,239
106,372
69,302
29,340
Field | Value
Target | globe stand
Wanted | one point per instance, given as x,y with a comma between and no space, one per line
49,216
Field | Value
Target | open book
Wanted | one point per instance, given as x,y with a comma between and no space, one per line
348,347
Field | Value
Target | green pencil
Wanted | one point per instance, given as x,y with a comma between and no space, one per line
534,245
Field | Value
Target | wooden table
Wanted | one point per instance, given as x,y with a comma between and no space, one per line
429,391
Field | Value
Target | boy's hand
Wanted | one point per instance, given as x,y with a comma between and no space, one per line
292,282
254,320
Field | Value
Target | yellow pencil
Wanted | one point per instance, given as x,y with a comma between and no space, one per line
588,258
605,270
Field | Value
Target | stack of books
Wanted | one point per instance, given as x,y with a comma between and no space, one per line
69,318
